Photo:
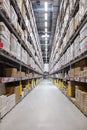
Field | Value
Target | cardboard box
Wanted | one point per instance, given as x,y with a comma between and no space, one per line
83,33
13,45
14,90
10,102
20,4
83,63
17,93
30,75
72,26
82,8
23,12
77,50
23,74
83,45
3,101
14,18
24,56
18,51
72,72
5,4
11,72
77,71
25,36
3,111
2,89
20,74
19,30
76,21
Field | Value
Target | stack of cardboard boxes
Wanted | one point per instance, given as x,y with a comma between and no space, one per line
81,99
11,101
12,72
80,69
14,90
6,103
25,90
3,105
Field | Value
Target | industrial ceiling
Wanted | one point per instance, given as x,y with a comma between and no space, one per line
46,13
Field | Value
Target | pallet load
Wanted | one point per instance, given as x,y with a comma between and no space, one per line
81,99
13,45
3,105
4,37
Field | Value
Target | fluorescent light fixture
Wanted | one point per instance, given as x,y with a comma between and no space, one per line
46,24
46,6
45,39
44,36
45,30
45,16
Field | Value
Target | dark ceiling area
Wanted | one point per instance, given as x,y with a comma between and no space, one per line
46,12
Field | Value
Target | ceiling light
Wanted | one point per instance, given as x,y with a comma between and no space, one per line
46,35
45,30
46,6
46,39
45,16
45,24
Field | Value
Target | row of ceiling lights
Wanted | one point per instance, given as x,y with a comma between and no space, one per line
46,36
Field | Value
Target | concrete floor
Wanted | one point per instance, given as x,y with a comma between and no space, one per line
45,108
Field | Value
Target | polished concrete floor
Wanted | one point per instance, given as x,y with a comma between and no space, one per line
45,108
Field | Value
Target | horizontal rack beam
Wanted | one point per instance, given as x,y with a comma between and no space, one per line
11,79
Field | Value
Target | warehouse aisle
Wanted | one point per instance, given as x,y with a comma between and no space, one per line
45,108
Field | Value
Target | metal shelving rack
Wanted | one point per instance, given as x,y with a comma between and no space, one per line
64,68
74,35
14,3
8,59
